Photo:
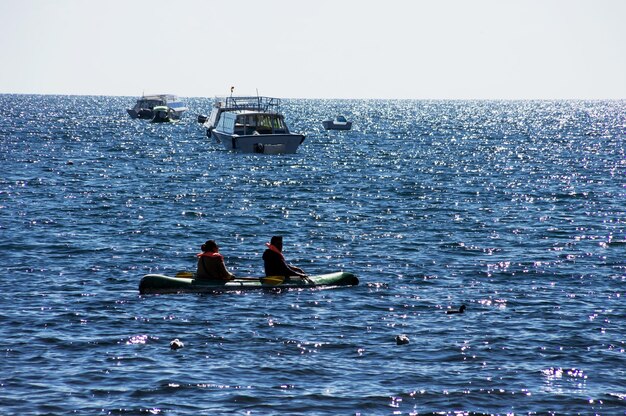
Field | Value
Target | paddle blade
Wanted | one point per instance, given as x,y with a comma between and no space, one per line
273,280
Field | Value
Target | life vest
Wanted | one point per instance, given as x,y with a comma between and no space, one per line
211,266
210,254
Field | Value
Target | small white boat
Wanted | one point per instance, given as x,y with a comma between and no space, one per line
337,123
144,107
251,125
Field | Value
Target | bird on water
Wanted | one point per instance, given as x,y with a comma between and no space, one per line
402,339
176,344
460,310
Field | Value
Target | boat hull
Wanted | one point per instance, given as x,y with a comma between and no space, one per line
142,113
161,284
331,125
260,143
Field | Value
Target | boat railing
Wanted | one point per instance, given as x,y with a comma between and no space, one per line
257,103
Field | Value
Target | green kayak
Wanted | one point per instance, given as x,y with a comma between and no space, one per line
158,283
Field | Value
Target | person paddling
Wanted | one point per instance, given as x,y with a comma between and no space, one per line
275,264
211,263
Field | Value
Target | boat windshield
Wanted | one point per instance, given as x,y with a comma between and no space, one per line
148,103
341,119
261,124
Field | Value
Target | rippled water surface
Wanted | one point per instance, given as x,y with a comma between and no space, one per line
515,209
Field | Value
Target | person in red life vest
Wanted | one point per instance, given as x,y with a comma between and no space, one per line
275,264
211,263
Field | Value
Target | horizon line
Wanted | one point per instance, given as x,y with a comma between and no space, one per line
328,98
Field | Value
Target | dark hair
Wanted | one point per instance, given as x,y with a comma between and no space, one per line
277,241
210,245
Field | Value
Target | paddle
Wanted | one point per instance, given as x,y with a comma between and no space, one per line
269,280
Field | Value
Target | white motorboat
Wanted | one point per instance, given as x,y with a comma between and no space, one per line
251,125
337,123
234,103
144,107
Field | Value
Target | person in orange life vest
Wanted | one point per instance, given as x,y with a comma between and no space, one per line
211,263
275,264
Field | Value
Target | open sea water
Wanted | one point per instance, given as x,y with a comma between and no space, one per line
516,209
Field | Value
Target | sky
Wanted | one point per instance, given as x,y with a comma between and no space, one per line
387,49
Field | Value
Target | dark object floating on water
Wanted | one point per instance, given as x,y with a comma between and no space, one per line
402,340
176,344
460,310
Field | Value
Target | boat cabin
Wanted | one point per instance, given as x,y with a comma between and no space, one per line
149,102
246,123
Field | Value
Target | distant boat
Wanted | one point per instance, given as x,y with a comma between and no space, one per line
144,107
251,125
338,123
